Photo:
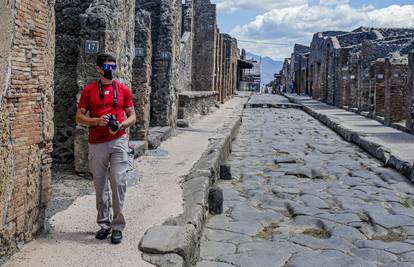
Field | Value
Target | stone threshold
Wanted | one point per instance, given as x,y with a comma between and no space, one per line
177,241
373,143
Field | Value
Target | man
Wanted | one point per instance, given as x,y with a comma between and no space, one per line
106,101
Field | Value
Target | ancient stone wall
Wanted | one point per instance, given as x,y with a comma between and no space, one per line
379,87
185,61
141,74
66,88
111,24
27,49
166,17
204,45
195,103
396,74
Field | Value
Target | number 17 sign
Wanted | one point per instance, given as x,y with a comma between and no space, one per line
91,47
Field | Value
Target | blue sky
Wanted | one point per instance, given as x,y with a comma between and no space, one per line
294,21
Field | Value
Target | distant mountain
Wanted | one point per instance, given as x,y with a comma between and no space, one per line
269,67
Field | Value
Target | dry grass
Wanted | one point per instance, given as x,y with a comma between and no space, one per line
316,232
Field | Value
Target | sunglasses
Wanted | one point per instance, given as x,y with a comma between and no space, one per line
106,67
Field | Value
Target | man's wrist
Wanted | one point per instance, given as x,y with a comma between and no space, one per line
122,126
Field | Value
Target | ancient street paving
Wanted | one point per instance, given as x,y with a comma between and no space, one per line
301,196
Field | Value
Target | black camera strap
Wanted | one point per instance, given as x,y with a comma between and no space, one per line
101,93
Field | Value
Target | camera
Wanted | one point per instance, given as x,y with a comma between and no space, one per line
113,123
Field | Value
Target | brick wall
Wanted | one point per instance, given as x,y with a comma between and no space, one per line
396,72
26,119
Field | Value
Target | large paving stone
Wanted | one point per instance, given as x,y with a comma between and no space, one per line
256,258
343,218
328,258
333,243
393,247
225,236
348,233
283,247
245,212
391,221
377,255
210,250
313,201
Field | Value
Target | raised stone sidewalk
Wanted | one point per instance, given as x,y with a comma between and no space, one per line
395,148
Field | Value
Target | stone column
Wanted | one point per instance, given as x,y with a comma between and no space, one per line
379,87
410,97
106,27
166,35
66,88
141,74
204,45
395,90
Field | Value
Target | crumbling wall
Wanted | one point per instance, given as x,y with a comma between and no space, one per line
26,118
111,24
396,72
166,35
204,45
66,88
141,74
186,49
379,87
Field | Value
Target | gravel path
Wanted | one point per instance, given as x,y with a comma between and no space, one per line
302,196
151,201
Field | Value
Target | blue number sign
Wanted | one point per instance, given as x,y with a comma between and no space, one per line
91,47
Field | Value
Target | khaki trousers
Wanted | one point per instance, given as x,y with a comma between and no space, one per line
108,162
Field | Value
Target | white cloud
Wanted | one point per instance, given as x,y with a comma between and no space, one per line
234,5
296,24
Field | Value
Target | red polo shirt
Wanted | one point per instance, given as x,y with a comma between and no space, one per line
91,101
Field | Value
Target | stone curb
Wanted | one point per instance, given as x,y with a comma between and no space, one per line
373,148
177,241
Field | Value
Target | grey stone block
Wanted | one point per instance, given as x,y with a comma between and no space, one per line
225,172
215,201
183,123
154,140
166,260
168,239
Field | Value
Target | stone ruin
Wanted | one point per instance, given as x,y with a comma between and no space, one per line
171,54
366,71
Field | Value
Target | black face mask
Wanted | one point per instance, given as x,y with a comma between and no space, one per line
109,74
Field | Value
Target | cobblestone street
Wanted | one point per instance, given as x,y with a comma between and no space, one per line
302,196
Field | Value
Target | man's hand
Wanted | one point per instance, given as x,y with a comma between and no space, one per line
103,120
